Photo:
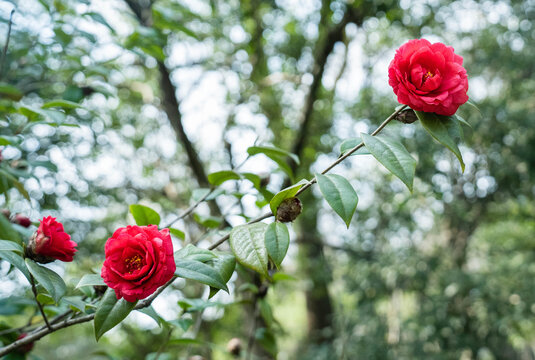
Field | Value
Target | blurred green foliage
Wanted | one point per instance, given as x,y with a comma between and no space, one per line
444,273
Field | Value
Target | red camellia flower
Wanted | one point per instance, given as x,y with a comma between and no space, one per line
50,242
22,220
139,259
25,348
428,77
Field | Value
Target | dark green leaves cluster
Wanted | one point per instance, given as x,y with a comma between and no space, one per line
339,194
393,155
255,245
205,267
444,129
111,312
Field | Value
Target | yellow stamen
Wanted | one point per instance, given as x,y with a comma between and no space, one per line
133,263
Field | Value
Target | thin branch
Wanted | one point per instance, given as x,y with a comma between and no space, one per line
22,328
164,344
226,237
323,50
191,208
350,152
313,180
202,199
4,54
34,290
250,342
39,333
171,107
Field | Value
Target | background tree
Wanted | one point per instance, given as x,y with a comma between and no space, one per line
106,104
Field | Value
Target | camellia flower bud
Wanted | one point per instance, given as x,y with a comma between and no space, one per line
289,210
25,348
407,116
22,220
100,289
234,347
50,242
6,213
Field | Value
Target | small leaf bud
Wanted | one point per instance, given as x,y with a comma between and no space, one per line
289,210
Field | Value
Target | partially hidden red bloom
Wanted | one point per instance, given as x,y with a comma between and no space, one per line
27,347
428,77
50,242
139,259
22,220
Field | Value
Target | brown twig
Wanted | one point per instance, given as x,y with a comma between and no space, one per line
34,290
201,200
4,54
313,180
39,333
252,333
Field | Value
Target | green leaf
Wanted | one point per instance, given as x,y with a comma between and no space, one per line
247,244
91,280
149,40
207,221
277,240
75,302
255,179
52,282
195,305
272,152
178,233
201,272
16,183
166,18
283,277
266,312
7,232
224,264
7,245
192,252
284,194
444,130
45,299
17,261
149,311
7,140
393,156
279,156
339,194
220,177
65,104
33,114
44,163
460,119
265,337
100,19
160,356
183,323
10,92
144,215
349,144
473,104
111,312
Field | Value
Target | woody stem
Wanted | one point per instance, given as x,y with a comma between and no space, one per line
34,290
